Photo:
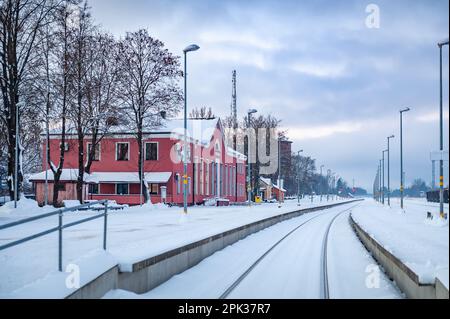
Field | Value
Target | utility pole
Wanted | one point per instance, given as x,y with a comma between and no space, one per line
191,48
279,171
328,184
441,140
235,125
381,181
384,185
320,183
389,168
298,177
249,176
234,103
402,173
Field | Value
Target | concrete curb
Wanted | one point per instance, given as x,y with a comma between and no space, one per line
151,272
406,279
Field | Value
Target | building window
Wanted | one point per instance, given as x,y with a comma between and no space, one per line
153,189
96,156
212,178
151,151
189,186
66,146
201,178
122,151
93,189
207,178
178,183
122,189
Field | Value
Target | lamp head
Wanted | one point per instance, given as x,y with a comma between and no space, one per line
442,43
405,110
191,48
252,111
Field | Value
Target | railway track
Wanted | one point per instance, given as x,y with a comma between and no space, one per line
324,283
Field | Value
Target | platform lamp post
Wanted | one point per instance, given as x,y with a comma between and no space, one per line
384,185
279,172
441,142
402,175
249,173
389,169
298,177
191,48
328,184
320,184
380,183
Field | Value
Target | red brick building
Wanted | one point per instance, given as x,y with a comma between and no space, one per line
214,170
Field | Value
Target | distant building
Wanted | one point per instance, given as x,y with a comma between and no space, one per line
269,190
214,170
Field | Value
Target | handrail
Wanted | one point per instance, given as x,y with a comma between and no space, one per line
60,227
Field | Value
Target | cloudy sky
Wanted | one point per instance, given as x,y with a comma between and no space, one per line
336,84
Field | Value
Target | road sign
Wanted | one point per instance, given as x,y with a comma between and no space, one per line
439,156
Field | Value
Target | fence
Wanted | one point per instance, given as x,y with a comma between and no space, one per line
434,196
60,227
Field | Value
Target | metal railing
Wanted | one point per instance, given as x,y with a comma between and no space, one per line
59,228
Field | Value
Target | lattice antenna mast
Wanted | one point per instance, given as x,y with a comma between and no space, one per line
234,102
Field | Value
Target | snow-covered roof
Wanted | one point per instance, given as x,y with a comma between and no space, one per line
106,177
236,154
277,187
199,129
68,174
129,177
266,181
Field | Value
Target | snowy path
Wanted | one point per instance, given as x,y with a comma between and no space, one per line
421,244
293,269
133,235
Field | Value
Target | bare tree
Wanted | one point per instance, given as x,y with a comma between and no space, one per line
101,91
20,22
202,113
149,76
63,83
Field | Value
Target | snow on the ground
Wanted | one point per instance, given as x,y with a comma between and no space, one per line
291,270
422,245
134,234
349,259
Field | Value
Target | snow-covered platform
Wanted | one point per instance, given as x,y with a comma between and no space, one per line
419,243
135,234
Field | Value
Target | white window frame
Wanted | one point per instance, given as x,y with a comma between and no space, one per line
128,154
128,192
157,151
207,178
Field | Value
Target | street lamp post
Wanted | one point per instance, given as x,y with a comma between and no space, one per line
402,182
384,185
279,171
380,182
328,184
249,177
191,48
441,162
389,169
298,177
320,183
